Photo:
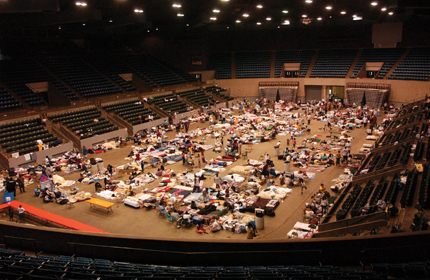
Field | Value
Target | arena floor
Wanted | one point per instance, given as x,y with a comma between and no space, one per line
145,223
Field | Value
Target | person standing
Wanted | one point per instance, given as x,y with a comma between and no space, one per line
324,203
294,142
217,179
196,187
20,182
21,213
345,155
302,184
11,186
51,183
85,152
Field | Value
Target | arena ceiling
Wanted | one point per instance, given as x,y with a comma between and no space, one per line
195,14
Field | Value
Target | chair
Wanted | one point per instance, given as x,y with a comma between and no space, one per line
169,218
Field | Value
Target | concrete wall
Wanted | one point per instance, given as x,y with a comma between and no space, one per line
148,125
89,142
401,91
181,116
391,248
41,155
220,105
120,101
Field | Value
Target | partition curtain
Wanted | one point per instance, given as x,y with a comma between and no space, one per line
375,97
269,93
288,94
355,95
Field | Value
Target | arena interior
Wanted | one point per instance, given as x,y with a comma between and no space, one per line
93,74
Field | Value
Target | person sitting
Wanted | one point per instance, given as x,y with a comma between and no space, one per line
159,172
200,229
215,226
163,210
186,218
98,187
193,205
381,204
175,216
322,188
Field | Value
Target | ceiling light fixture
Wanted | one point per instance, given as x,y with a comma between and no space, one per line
286,22
83,24
215,10
374,3
343,13
391,13
304,16
309,1
259,6
319,18
212,18
148,31
180,15
358,18
285,12
268,18
187,24
258,23
238,21
59,27
138,11
82,4
328,7
225,0
354,16
245,15
279,26
110,20
176,5
156,28
383,9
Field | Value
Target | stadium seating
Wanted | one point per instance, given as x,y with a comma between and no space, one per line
21,136
81,77
302,57
333,63
15,264
388,56
7,101
130,111
16,73
169,103
253,65
152,71
198,96
221,62
111,66
219,92
415,66
82,122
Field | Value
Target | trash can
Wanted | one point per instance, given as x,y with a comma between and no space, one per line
94,168
259,218
100,166
287,166
276,151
